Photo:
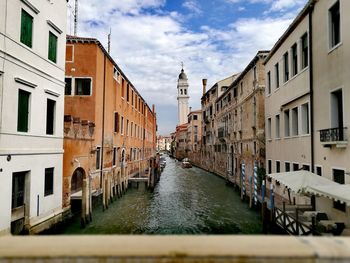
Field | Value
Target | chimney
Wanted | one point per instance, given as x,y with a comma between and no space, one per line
153,108
204,81
190,109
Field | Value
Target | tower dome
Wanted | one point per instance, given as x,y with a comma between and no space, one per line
183,75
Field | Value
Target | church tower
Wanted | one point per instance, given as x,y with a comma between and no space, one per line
182,97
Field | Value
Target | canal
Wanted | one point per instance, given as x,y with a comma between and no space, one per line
185,201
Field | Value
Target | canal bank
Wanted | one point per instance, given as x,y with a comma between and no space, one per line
185,201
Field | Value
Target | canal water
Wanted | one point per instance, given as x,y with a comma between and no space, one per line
185,201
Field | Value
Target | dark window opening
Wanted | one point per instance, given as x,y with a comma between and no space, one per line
68,87
23,111
50,116
49,176
82,87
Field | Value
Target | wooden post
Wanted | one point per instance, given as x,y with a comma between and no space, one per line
313,202
264,216
250,192
297,220
83,204
284,215
103,194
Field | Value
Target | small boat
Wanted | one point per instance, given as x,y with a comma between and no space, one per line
186,163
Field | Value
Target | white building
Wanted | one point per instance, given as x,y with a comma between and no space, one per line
32,65
182,97
307,100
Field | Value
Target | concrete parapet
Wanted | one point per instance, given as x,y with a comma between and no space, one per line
174,249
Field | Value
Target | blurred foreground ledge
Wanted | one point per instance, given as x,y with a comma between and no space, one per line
174,249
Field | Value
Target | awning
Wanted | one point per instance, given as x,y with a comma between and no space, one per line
307,183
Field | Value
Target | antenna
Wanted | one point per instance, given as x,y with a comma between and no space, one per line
76,18
109,40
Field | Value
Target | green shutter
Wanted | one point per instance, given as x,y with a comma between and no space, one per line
23,111
52,47
26,28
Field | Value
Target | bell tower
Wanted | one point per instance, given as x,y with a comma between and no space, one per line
182,97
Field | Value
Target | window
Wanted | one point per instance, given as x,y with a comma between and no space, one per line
132,97
114,156
98,157
337,117
319,170
52,47
116,122
286,67
277,126
82,86
277,74
305,129
122,125
339,177
269,166
48,181
26,28
23,111
334,25
131,128
295,126
195,117
241,88
287,166
295,59
127,127
185,91
68,87
306,167
127,92
269,128
286,124
278,166
50,116
304,51
116,74
295,166
123,84
268,83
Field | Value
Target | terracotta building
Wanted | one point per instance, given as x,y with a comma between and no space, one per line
194,136
109,130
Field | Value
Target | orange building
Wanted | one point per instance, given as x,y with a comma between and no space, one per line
109,130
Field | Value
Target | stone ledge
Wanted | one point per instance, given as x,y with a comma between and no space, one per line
178,248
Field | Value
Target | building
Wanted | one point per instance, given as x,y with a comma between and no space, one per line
181,141
163,143
209,123
240,134
182,97
110,131
307,90
194,136
32,87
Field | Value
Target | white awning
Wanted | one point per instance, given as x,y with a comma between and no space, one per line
307,183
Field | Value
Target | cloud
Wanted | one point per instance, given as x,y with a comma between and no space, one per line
149,46
192,6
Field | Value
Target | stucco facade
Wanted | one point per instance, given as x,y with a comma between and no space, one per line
194,136
31,128
313,102
122,137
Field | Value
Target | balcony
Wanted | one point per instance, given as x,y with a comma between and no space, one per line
334,136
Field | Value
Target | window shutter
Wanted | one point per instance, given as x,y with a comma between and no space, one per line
23,111
26,28
52,47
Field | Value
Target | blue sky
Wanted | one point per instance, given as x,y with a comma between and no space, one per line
214,39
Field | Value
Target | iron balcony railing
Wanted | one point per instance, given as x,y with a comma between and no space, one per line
333,135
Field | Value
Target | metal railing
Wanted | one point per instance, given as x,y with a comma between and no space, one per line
333,135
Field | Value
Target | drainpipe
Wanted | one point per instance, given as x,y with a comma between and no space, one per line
103,118
311,79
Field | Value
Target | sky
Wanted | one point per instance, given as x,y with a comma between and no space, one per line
213,38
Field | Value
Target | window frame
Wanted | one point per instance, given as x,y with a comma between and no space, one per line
26,130
53,116
74,88
305,58
48,192
21,37
331,44
53,36
286,69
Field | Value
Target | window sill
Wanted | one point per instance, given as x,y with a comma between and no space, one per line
335,47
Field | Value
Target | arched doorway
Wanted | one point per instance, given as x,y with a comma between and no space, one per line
76,189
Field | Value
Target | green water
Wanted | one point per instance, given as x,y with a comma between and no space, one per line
185,201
